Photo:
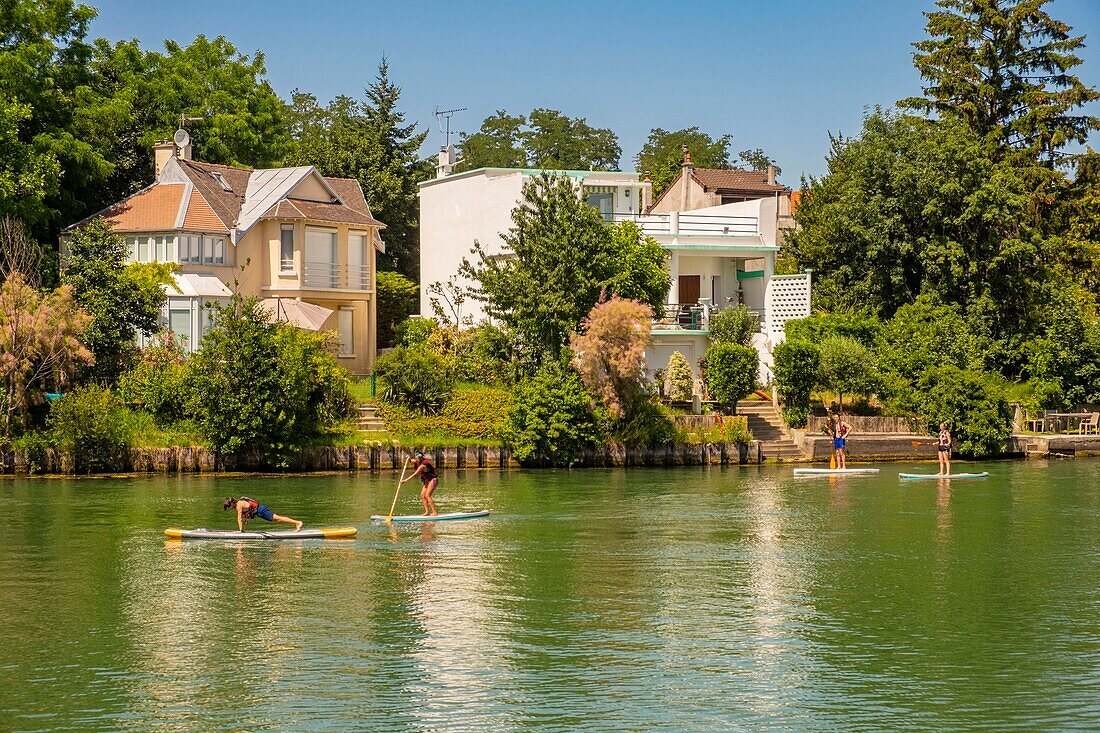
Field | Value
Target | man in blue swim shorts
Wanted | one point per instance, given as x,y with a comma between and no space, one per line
840,430
250,509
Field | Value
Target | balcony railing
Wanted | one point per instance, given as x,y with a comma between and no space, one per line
694,317
677,223
335,276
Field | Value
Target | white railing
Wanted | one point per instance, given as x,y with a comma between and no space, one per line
336,276
677,223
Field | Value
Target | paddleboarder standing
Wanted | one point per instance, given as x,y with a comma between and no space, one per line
943,449
250,509
429,476
840,433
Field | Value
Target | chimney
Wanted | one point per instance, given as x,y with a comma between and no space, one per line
163,150
771,174
446,164
687,170
647,194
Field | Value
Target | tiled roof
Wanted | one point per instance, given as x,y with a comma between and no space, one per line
718,179
153,209
226,205
351,193
325,212
200,217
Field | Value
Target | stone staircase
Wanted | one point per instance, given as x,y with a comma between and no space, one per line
767,426
368,419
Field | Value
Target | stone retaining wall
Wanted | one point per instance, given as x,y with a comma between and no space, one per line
870,447
864,424
381,458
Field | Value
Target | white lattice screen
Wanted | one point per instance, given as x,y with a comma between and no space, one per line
787,297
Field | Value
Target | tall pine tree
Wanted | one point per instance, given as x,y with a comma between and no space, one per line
1003,67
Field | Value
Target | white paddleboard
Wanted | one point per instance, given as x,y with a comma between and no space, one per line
437,518
983,474
232,534
832,471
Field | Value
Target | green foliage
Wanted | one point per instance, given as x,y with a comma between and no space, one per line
974,408
484,354
416,377
368,140
158,382
734,325
1003,68
397,298
261,385
552,419
91,424
663,154
731,372
757,160
847,367
416,332
565,258
730,429
121,300
1065,360
858,325
472,412
544,139
797,364
646,423
680,382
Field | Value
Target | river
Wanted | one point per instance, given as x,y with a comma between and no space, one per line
706,599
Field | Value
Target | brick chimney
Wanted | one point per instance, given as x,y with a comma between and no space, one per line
687,170
771,174
163,150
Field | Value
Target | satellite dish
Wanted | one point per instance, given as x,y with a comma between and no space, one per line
181,138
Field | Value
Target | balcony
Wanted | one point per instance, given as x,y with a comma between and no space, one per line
335,276
685,223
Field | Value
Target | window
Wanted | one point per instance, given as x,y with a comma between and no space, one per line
179,320
358,261
218,247
345,322
604,202
320,259
286,248
143,249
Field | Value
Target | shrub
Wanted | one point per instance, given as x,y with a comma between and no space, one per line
552,419
796,373
731,429
731,372
157,383
416,377
858,325
976,410
397,296
483,354
610,353
847,367
734,326
679,381
416,332
472,412
93,425
646,423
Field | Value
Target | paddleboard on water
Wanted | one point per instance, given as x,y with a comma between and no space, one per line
437,518
328,533
832,471
983,474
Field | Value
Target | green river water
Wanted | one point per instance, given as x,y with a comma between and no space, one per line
706,599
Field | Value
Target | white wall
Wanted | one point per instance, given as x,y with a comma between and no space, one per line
454,213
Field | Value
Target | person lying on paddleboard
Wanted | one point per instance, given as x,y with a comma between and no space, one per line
250,509
430,477
840,430
943,448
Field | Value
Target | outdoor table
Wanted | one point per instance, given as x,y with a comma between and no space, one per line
1070,416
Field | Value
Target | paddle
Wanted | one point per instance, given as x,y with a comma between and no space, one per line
389,517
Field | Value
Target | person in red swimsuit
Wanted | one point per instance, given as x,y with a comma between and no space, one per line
429,475
250,509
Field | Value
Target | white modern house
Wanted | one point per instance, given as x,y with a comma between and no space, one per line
719,255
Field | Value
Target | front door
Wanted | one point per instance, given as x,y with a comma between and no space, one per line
689,289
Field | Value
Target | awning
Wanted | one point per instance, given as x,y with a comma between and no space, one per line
296,312
200,286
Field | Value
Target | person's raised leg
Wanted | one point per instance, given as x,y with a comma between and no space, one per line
288,520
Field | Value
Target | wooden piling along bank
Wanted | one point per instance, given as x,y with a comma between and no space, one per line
377,458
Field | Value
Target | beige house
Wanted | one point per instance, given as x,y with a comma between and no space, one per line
303,243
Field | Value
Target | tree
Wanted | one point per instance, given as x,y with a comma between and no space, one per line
18,253
1003,67
679,381
638,267
609,353
552,419
857,324
735,325
122,300
545,138
847,366
797,364
730,373
498,144
757,160
369,141
40,347
663,153
975,410
559,267
397,298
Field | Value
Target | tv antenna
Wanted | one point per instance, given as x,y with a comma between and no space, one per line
446,114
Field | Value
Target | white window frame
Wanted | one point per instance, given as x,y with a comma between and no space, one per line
358,260
346,350
286,266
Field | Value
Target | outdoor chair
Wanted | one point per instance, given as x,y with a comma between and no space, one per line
1089,424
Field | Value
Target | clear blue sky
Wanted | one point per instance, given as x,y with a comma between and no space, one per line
779,75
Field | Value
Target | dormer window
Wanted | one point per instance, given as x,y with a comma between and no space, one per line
221,181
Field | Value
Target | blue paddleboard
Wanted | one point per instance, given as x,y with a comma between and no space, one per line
437,518
983,474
